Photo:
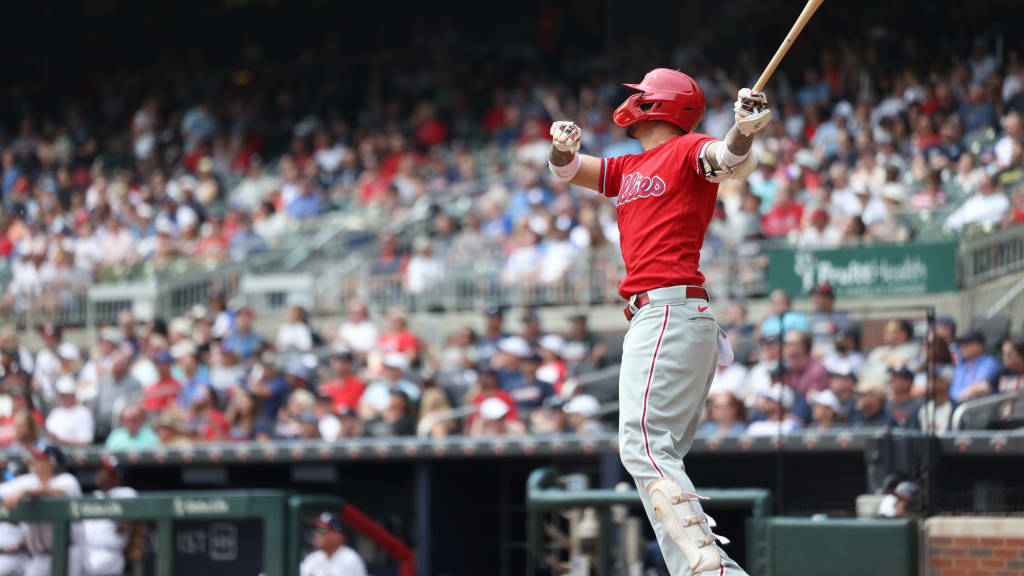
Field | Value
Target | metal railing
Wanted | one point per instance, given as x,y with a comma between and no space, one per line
992,256
988,411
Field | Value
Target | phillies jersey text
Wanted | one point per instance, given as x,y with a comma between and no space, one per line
664,206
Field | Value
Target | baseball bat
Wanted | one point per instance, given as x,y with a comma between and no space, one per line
798,26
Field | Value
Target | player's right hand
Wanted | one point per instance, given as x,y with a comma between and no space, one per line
565,136
752,111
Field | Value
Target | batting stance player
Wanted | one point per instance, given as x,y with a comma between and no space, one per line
665,197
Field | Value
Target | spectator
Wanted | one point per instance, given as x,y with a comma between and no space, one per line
171,429
344,388
785,214
550,418
936,416
105,539
782,318
1011,377
116,389
870,410
987,208
268,387
396,420
818,234
195,377
528,391
803,372
493,333
295,335
902,407
398,338
975,370
390,260
204,420
494,420
69,422
297,416
826,322
424,270
434,402
331,557
826,410
532,332
582,411
553,368
727,415
376,400
241,339
488,386
165,391
242,415
351,426
461,353
898,350
133,434
357,333
845,351
583,349
774,404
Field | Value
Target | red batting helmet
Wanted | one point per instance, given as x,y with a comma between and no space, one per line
665,95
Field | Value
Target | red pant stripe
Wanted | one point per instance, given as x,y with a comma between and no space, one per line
650,377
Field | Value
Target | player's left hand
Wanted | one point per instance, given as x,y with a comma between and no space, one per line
752,112
565,136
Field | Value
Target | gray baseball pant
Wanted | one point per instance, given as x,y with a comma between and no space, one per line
668,362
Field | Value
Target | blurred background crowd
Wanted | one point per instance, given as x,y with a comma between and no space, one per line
213,159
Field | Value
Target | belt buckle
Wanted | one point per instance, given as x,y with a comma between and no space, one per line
632,307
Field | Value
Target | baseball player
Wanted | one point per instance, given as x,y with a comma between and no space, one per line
665,198
12,540
44,479
105,539
331,557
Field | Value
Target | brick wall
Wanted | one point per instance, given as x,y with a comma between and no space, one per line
974,546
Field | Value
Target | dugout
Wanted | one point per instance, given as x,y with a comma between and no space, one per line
212,532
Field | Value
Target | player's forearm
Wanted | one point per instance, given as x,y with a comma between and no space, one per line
738,143
560,157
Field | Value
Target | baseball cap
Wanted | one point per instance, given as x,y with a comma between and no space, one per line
972,336
44,449
66,385
529,315
52,331
493,408
183,349
328,522
298,369
112,464
870,386
839,367
395,360
825,289
493,312
584,405
902,371
68,351
163,357
514,345
781,394
552,342
826,398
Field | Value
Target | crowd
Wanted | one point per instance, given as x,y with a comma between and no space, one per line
210,376
858,154
810,371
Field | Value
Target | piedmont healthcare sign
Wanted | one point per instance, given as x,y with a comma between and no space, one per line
886,270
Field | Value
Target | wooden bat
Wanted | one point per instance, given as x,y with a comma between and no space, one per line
798,26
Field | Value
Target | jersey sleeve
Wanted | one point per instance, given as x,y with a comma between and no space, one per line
689,149
611,176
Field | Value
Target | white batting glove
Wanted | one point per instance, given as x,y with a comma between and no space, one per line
565,136
752,112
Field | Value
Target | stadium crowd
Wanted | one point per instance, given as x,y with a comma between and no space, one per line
209,376
859,153
213,172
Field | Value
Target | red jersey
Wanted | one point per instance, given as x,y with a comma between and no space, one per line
343,393
664,207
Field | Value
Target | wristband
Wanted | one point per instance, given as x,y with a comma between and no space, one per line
726,159
567,172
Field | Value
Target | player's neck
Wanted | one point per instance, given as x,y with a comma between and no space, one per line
654,134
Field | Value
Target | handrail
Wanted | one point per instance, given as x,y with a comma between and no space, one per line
430,420
977,404
991,256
